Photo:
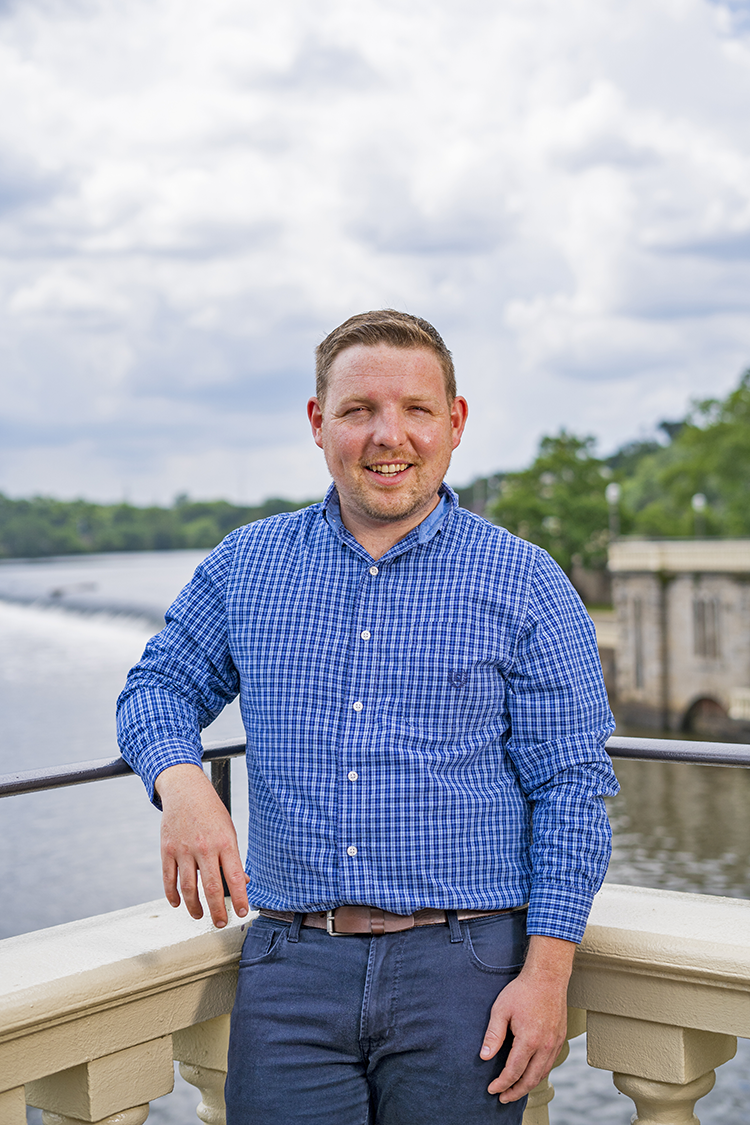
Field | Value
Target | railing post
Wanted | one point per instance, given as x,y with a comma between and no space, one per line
664,1068
664,1103
113,1090
221,779
201,1051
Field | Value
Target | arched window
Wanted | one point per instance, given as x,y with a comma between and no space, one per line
706,627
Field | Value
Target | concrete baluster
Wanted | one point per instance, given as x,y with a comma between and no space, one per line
662,1067
201,1051
211,1109
664,1103
537,1112
113,1090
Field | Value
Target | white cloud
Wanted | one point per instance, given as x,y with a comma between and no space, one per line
192,195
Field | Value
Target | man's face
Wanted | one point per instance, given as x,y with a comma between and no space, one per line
387,431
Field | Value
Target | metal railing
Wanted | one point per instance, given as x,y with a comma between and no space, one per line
219,755
679,750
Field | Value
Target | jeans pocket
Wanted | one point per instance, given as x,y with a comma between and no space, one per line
260,942
497,945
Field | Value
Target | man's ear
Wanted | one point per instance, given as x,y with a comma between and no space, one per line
459,414
315,415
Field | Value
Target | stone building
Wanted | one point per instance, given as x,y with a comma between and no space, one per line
683,634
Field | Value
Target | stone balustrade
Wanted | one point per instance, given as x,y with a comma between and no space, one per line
93,1013
664,979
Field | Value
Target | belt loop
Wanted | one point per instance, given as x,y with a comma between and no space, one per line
295,927
455,926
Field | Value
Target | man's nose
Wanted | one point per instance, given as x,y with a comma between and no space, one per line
389,429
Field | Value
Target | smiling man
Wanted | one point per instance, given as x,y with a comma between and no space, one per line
418,687
387,424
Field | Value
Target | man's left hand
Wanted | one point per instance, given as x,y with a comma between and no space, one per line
534,1007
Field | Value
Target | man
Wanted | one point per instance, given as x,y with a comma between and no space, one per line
415,683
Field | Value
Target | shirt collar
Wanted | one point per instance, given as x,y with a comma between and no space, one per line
424,531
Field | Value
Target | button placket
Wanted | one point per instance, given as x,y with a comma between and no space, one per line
365,634
358,734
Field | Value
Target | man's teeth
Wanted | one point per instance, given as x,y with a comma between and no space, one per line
388,470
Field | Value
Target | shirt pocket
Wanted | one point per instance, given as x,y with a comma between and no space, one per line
442,676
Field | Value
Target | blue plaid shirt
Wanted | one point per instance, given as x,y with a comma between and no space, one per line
405,719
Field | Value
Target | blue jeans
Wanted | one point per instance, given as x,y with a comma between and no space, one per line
367,1030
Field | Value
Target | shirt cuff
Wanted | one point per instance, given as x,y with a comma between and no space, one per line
158,757
559,911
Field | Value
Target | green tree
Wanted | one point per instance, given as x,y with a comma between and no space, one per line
559,502
44,526
710,454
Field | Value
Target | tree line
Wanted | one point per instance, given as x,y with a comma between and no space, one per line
43,526
696,481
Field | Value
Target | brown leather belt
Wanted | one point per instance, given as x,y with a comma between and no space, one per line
347,921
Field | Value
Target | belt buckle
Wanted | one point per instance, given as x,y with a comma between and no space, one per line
330,919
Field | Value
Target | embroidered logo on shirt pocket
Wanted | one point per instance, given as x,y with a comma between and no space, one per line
457,677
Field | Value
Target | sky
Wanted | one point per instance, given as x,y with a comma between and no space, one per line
193,195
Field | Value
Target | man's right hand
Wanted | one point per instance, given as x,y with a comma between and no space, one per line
197,835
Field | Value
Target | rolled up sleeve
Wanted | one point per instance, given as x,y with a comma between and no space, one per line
184,679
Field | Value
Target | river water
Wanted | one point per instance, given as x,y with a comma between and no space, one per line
70,629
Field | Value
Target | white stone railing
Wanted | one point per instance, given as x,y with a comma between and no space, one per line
93,1013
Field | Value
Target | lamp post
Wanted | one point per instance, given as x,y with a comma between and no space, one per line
612,494
699,504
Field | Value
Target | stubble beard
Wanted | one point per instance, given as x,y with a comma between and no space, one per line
391,507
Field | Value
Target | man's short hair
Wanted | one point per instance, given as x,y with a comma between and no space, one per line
382,326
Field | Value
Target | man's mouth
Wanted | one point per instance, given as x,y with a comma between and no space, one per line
389,470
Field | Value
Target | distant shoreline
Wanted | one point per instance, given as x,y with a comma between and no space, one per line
46,528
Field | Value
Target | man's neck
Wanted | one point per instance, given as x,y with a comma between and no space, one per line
377,538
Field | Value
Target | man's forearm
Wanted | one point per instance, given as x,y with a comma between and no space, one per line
550,958
174,779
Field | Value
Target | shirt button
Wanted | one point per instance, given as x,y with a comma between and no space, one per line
365,634
352,775
373,570
358,706
351,850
